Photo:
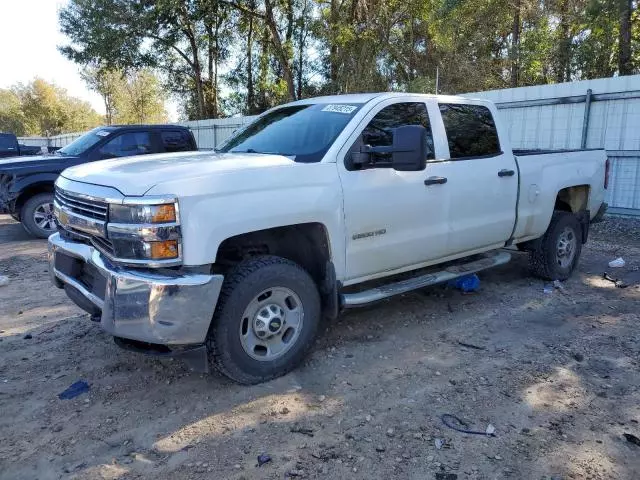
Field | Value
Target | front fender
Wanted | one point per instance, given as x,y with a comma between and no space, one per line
21,184
218,207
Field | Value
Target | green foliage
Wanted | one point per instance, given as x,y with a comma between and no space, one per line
226,57
42,108
136,97
11,114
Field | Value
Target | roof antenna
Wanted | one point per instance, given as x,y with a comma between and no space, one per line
437,79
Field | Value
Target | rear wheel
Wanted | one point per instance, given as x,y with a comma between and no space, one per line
558,252
265,321
37,215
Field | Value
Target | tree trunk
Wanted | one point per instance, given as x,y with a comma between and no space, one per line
211,107
281,53
262,102
333,49
301,44
515,45
251,101
625,66
188,30
563,73
289,33
108,107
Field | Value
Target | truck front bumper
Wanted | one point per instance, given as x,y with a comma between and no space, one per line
167,308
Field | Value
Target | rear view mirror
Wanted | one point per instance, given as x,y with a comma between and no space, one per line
409,151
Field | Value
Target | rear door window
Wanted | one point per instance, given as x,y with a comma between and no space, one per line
471,131
175,141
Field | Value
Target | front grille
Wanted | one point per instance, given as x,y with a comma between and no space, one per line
103,245
82,206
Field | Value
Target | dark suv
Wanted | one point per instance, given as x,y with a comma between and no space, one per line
26,183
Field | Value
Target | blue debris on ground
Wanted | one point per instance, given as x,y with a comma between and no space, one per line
75,389
466,284
263,458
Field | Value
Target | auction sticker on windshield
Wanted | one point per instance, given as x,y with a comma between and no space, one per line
103,133
339,108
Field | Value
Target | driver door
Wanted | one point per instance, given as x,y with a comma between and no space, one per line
393,220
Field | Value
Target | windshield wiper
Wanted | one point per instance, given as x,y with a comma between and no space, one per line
251,150
248,150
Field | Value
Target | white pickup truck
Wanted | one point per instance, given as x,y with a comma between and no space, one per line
234,258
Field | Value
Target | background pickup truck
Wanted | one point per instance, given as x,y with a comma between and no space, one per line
233,258
26,184
9,147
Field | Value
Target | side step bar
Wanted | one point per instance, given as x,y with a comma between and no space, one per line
359,299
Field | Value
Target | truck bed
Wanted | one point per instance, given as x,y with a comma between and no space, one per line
544,173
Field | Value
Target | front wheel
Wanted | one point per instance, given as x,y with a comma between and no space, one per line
37,215
265,321
558,252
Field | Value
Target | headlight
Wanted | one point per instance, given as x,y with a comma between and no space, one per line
146,234
137,214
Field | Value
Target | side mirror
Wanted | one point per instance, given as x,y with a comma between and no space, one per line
409,148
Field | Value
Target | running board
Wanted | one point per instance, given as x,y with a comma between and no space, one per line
359,299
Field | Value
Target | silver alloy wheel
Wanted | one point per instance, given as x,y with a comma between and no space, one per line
271,323
566,247
44,218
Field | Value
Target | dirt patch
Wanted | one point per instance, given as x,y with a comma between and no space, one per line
557,374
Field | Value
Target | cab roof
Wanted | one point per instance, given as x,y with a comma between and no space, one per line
362,98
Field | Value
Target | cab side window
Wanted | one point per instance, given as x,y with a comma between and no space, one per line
127,144
379,131
471,131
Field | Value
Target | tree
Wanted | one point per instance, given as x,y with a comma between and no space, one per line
11,115
46,109
183,39
136,97
625,66
265,52
142,100
107,83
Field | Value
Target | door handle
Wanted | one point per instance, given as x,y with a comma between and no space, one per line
435,181
506,173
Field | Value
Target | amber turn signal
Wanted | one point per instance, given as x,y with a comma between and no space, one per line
164,250
163,213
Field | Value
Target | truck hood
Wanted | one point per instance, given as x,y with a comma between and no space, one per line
40,163
135,176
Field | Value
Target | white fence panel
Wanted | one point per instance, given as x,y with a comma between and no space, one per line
211,133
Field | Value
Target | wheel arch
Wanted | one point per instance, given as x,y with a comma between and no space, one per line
29,190
307,244
573,199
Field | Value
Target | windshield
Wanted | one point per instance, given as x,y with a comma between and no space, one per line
302,131
85,142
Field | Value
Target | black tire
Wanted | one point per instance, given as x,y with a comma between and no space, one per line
241,286
543,260
27,215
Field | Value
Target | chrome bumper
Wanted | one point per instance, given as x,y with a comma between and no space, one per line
136,304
